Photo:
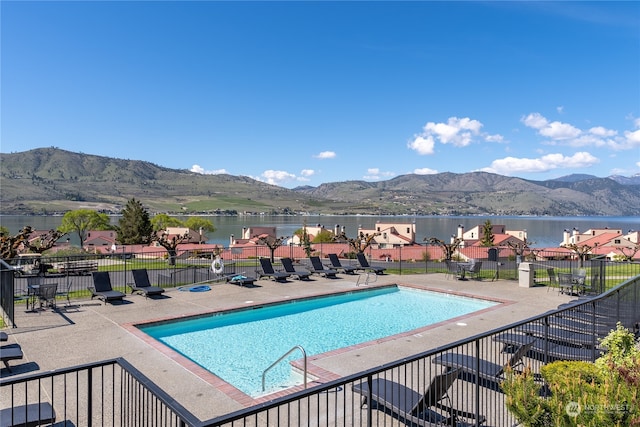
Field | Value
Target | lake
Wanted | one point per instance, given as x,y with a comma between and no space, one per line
542,231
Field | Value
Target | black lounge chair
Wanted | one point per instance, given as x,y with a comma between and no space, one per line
337,265
4,336
558,334
287,264
240,279
10,352
412,407
142,285
364,264
319,268
484,369
553,350
34,414
269,271
102,289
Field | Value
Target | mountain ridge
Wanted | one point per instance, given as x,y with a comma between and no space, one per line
50,180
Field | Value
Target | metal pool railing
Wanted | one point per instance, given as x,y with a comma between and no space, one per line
114,393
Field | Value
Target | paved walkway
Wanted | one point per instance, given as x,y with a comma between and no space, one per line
89,331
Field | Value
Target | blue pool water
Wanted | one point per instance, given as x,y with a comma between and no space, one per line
238,346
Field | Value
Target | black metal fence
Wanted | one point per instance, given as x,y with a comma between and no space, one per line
114,393
72,274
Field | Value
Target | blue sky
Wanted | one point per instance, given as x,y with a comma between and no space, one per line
304,93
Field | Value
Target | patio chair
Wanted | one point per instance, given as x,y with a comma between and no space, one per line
364,264
301,274
484,369
102,289
142,285
34,414
319,268
453,269
10,352
565,283
269,271
579,280
553,280
474,270
413,407
47,294
337,265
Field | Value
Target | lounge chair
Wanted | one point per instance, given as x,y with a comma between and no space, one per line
412,407
34,414
4,336
364,264
301,274
319,268
102,289
269,271
142,285
337,265
10,352
240,279
553,350
484,369
558,334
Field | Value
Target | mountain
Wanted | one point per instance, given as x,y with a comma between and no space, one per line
626,180
50,180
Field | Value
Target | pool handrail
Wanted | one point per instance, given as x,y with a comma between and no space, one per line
304,356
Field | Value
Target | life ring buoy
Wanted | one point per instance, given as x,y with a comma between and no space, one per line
217,266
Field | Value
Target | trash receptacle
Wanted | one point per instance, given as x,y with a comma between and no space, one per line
525,275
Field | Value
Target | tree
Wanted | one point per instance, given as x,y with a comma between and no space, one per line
82,220
201,225
487,234
324,236
581,250
4,231
44,242
162,221
628,252
9,244
448,248
134,227
170,243
519,248
272,243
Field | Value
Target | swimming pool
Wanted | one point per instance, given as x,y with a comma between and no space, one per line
238,346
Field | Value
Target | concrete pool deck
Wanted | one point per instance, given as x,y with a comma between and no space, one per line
90,331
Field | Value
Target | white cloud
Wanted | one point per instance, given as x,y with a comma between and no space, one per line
560,109
456,131
325,155
459,132
511,165
277,177
375,174
424,171
422,145
307,172
199,169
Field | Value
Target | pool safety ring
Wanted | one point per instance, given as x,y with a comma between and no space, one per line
217,266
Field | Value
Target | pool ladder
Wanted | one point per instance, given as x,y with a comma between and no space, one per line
304,356
367,278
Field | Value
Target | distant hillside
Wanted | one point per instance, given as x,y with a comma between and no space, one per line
49,180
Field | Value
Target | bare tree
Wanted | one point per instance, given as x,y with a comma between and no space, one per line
272,243
44,242
358,244
170,243
520,249
582,251
9,245
448,248
628,252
